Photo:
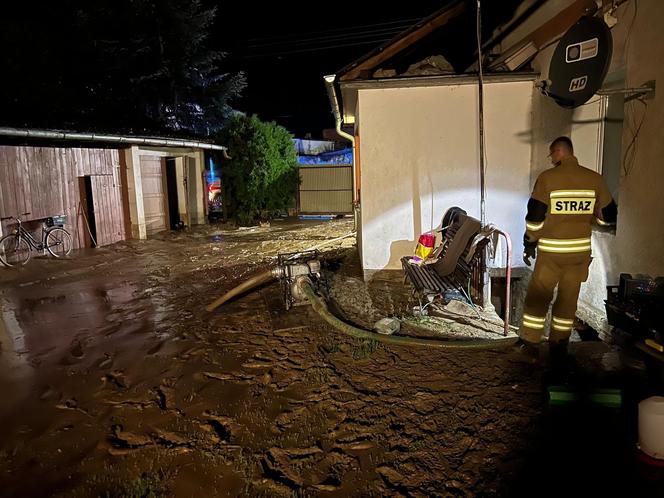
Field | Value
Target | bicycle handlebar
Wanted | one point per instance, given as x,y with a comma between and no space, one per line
14,218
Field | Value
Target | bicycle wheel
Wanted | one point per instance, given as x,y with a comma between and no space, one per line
14,251
58,242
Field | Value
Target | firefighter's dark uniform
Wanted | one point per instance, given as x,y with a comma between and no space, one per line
566,200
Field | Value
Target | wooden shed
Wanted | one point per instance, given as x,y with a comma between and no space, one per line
109,187
48,181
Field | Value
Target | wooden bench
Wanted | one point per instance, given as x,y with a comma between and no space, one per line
466,278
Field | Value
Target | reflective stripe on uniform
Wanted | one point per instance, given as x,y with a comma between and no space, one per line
534,226
533,322
562,324
564,245
572,249
572,193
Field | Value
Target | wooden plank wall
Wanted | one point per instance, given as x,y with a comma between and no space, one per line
44,182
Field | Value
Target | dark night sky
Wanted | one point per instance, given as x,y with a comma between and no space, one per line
286,49
122,67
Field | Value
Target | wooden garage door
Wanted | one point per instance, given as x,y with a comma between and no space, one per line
109,222
154,196
326,189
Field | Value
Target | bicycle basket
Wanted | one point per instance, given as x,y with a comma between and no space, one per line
56,221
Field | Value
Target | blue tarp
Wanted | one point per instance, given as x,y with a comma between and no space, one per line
305,147
343,156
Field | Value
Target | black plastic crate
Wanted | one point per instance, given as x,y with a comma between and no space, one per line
640,287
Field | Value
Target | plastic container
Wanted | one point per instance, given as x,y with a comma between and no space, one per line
651,427
424,247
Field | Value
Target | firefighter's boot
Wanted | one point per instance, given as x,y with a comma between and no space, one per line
560,369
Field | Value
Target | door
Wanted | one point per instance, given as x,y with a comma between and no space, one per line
154,194
173,200
192,192
87,208
109,222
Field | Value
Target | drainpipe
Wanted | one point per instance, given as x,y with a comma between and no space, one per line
334,104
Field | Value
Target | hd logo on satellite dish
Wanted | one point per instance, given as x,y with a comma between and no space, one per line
578,84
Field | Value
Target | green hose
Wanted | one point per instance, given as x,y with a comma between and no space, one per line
304,285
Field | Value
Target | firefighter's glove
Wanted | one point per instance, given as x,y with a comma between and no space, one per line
529,250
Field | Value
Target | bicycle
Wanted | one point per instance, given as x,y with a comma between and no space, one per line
16,248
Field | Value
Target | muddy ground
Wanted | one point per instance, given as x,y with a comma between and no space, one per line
116,382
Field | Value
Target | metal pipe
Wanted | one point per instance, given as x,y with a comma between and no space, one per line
338,121
508,277
100,137
334,104
480,87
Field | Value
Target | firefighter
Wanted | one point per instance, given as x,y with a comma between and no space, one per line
566,200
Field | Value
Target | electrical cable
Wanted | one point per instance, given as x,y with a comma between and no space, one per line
316,49
481,117
334,38
350,29
630,151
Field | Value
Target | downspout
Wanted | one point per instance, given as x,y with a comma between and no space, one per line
334,104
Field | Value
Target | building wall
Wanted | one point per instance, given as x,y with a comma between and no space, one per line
640,236
44,181
638,244
420,156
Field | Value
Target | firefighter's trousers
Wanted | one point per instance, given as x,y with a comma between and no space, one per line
567,271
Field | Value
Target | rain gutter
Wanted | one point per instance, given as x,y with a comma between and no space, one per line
100,137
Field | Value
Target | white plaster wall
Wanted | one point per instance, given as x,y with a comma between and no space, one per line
419,152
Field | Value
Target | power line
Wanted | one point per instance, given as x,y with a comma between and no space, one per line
359,35
316,49
363,27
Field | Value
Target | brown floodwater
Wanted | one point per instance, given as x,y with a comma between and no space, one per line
116,382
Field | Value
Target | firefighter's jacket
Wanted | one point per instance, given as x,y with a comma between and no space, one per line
565,202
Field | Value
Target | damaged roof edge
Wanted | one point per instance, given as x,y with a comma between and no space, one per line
103,137
438,80
417,31
350,89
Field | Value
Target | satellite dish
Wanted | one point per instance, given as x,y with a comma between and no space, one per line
580,62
